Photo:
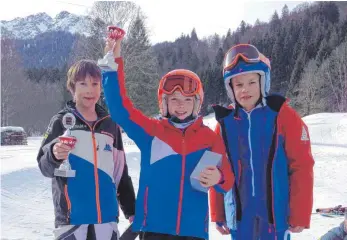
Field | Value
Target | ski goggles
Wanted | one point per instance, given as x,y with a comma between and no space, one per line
187,85
247,52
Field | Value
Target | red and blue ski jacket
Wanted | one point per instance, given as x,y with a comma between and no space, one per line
166,201
270,154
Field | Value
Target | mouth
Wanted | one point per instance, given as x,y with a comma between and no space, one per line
89,98
180,113
245,98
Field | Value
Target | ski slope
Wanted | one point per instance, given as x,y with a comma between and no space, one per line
27,208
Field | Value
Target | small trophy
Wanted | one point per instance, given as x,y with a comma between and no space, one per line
115,32
107,63
64,169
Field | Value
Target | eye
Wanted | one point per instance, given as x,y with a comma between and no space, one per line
238,84
188,99
253,82
96,83
83,83
173,99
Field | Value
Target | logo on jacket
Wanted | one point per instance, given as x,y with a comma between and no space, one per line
304,135
108,148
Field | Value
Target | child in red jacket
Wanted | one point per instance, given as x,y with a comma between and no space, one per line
167,206
269,149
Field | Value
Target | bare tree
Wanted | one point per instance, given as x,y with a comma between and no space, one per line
334,70
103,14
310,87
13,82
140,62
119,13
23,102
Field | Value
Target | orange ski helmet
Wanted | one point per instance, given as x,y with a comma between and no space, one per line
187,82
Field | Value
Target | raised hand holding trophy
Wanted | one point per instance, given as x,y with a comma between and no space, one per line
115,32
64,169
107,62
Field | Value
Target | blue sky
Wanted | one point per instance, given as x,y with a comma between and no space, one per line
166,19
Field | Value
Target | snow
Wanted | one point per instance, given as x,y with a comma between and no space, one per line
26,202
42,27
33,25
11,128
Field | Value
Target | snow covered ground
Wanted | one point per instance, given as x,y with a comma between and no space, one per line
27,208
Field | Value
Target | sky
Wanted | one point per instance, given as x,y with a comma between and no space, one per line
166,20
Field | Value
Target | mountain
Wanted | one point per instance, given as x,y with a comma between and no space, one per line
34,25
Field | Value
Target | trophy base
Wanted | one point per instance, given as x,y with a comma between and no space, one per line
64,173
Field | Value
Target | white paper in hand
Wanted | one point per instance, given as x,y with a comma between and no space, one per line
208,159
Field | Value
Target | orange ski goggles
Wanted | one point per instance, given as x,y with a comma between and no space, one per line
247,52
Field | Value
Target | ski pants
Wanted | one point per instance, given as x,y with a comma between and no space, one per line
105,231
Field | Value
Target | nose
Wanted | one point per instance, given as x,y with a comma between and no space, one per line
179,103
244,89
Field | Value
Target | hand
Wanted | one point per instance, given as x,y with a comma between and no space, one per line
210,176
61,151
114,46
297,229
131,219
222,228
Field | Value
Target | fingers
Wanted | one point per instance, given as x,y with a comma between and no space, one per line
131,219
210,170
209,176
224,230
204,179
296,229
61,151
110,43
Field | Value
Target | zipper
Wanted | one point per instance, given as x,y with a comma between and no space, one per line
68,203
178,225
145,208
251,152
272,185
96,175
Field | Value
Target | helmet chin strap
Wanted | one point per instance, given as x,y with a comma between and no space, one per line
177,120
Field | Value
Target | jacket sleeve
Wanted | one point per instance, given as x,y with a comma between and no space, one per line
338,233
124,184
216,196
138,127
298,150
45,158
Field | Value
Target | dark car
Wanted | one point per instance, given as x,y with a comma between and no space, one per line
13,136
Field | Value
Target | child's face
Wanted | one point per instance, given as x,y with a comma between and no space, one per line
87,92
247,90
180,105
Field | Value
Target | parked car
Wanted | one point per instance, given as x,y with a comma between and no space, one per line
13,136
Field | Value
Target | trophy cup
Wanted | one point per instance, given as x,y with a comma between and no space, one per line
107,63
115,32
64,169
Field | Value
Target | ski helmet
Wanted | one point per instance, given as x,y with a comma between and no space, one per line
187,82
242,59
